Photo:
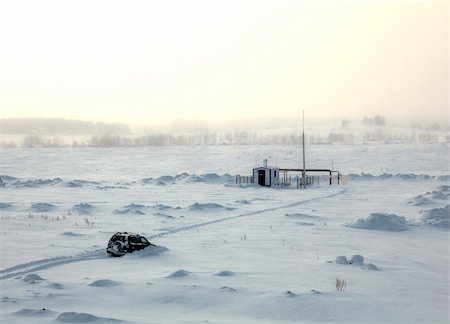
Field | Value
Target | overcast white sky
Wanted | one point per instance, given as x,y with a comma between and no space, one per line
141,62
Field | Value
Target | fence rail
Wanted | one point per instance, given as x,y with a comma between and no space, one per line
286,181
244,179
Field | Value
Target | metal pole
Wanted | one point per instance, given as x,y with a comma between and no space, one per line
304,166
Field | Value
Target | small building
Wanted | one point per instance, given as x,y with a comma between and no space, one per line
266,176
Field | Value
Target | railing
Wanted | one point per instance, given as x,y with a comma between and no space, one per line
310,180
244,179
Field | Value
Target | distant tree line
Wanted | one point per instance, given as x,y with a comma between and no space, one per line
222,138
42,126
62,132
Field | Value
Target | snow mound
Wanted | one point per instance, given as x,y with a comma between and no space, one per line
131,209
73,317
5,205
373,267
42,207
211,178
134,206
147,180
164,207
179,274
72,234
438,217
228,288
398,176
128,212
35,183
164,215
290,293
225,273
441,193
381,222
82,209
305,224
35,312
357,260
149,251
302,216
165,179
104,283
80,183
32,278
56,285
7,178
342,259
420,200
207,206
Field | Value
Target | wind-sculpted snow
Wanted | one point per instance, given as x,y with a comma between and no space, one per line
243,201
225,273
148,252
46,315
381,222
36,313
104,283
32,278
4,206
303,216
164,215
134,209
186,178
7,178
74,317
207,206
183,178
35,183
56,285
81,183
437,217
442,193
162,207
82,209
43,207
398,176
356,260
179,274
72,234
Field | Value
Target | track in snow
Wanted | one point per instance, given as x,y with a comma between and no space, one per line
37,265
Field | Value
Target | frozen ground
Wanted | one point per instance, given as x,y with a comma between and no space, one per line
225,254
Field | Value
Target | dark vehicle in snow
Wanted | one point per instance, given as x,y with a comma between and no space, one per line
124,242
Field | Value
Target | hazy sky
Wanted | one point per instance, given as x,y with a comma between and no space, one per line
149,61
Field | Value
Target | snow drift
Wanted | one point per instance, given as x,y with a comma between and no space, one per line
207,206
438,217
442,193
381,222
42,207
82,209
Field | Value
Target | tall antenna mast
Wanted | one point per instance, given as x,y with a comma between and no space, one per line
303,139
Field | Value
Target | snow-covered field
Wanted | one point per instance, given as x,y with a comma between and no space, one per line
225,254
